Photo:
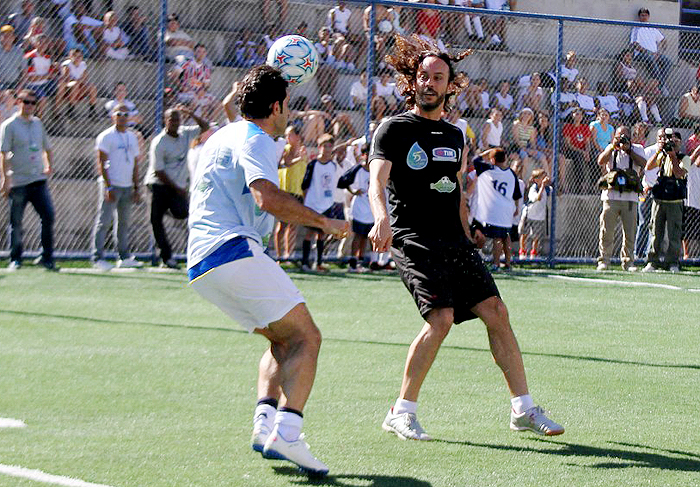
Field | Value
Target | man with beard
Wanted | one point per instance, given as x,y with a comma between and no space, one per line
417,157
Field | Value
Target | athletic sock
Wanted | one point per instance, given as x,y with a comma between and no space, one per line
305,251
403,406
289,423
521,404
264,414
319,251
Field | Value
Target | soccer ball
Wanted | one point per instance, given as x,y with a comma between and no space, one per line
295,56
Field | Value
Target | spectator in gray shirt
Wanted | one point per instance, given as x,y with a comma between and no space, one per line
25,164
11,59
167,174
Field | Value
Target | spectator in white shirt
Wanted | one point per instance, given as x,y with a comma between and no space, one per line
503,99
584,100
113,39
74,84
607,100
649,43
358,92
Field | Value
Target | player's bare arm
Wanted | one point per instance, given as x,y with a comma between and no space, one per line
286,208
380,235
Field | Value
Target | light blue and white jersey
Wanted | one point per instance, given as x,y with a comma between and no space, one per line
221,204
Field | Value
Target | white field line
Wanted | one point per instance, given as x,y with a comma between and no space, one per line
619,283
47,478
11,423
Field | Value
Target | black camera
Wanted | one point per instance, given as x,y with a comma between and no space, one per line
669,144
623,140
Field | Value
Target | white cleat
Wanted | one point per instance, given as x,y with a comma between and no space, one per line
535,420
260,435
102,265
276,447
129,263
405,426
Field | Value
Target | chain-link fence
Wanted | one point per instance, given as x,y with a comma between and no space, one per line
156,54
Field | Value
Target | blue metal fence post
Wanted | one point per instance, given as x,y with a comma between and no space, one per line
555,156
370,71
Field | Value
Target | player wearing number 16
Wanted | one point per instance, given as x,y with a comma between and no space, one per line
418,158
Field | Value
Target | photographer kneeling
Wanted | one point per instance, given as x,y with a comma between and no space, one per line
667,210
621,186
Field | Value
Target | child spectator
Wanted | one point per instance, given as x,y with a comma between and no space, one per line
177,41
318,185
584,100
113,39
135,30
545,140
74,84
356,181
194,77
292,168
535,216
502,99
524,135
516,165
531,93
577,148
567,71
607,100
120,93
492,131
478,97
567,99
601,131
498,190
358,92
646,96
40,75
624,72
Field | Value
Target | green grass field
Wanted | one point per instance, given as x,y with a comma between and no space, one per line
131,379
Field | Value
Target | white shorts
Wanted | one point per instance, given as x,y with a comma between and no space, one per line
254,291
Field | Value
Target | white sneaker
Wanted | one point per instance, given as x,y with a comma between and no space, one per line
649,268
14,265
602,266
129,263
535,420
405,426
674,269
276,447
102,265
260,435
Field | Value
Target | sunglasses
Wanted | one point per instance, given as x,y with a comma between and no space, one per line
29,102
121,114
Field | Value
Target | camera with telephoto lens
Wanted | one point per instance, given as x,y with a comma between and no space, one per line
669,145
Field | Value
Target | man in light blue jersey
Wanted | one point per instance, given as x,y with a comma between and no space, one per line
234,204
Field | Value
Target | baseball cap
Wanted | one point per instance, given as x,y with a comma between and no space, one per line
7,29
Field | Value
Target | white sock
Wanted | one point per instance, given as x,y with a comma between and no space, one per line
521,404
654,109
264,414
468,24
642,105
288,425
403,406
477,27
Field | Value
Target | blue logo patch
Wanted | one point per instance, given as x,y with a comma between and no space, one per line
444,154
417,158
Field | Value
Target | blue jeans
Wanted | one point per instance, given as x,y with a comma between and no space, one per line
658,66
37,194
641,241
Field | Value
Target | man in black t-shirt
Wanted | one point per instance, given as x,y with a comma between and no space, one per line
417,157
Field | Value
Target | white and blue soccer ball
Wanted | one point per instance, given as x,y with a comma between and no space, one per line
295,56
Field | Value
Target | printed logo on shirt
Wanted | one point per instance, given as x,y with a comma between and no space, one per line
444,185
417,158
444,154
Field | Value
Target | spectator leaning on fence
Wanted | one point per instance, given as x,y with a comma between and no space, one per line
118,154
11,59
167,174
26,161
649,43
667,208
619,197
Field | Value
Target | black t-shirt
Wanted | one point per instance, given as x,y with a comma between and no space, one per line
424,191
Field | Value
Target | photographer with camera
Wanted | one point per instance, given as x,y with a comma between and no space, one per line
667,209
621,186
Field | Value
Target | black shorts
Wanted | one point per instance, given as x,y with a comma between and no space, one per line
360,228
444,275
492,231
513,233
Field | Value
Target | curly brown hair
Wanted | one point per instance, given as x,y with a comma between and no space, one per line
409,53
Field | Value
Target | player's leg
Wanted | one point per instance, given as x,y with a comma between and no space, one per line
320,244
506,353
269,394
306,249
401,418
291,367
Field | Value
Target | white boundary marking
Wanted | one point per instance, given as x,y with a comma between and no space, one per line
12,423
39,476
619,283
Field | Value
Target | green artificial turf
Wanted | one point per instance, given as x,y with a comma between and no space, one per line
131,379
